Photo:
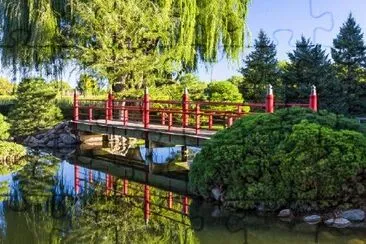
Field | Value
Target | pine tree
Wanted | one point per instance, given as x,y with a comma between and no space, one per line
35,109
260,69
349,55
309,65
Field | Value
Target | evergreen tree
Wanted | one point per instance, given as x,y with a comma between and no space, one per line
260,69
309,65
35,108
349,55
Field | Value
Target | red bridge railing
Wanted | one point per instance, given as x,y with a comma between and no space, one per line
170,114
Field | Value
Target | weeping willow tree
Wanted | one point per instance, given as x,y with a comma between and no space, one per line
130,42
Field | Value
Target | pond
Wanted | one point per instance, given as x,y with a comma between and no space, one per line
94,197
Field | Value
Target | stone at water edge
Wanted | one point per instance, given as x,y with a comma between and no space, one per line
216,193
338,222
354,215
285,213
68,139
312,219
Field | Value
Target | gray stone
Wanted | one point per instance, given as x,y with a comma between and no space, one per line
68,139
312,219
216,193
51,144
338,222
61,145
285,213
354,215
216,213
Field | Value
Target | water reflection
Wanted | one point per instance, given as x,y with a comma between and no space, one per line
88,199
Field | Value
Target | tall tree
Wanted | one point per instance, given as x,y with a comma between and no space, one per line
35,108
309,65
349,54
260,69
130,42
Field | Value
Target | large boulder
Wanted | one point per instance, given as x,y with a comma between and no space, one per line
354,215
68,139
338,222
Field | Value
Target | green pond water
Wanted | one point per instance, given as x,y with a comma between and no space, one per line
89,199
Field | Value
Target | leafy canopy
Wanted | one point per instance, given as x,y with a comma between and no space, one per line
132,41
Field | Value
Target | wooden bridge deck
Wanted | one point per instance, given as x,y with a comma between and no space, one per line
156,133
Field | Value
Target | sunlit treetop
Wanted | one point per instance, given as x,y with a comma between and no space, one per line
122,40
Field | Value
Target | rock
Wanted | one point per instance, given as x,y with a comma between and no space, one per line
51,144
354,215
68,139
61,145
312,219
216,213
338,222
216,193
33,142
285,213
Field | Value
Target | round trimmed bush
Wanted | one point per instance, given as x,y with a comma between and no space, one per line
293,158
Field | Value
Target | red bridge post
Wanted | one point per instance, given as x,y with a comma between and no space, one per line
313,103
125,187
185,205
147,201
185,108
170,200
110,106
146,109
76,106
198,121
106,111
270,100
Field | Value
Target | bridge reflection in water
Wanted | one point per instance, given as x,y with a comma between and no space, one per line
112,201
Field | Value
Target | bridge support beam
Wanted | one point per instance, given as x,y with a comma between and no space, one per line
184,153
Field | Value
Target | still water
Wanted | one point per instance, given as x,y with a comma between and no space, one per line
95,197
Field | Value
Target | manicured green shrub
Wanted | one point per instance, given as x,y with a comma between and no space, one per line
293,158
34,108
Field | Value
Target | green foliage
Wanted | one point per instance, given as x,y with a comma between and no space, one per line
349,54
88,85
4,128
116,219
309,65
290,158
128,42
62,87
6,88
260,69
223,91
35,108
11,157
37,178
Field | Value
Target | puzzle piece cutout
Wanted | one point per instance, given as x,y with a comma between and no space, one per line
326,14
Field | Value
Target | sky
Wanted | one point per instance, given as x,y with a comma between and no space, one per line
284,21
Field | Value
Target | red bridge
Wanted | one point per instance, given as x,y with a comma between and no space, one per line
181,122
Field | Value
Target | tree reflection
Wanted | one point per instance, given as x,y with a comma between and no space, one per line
120,219
37,179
